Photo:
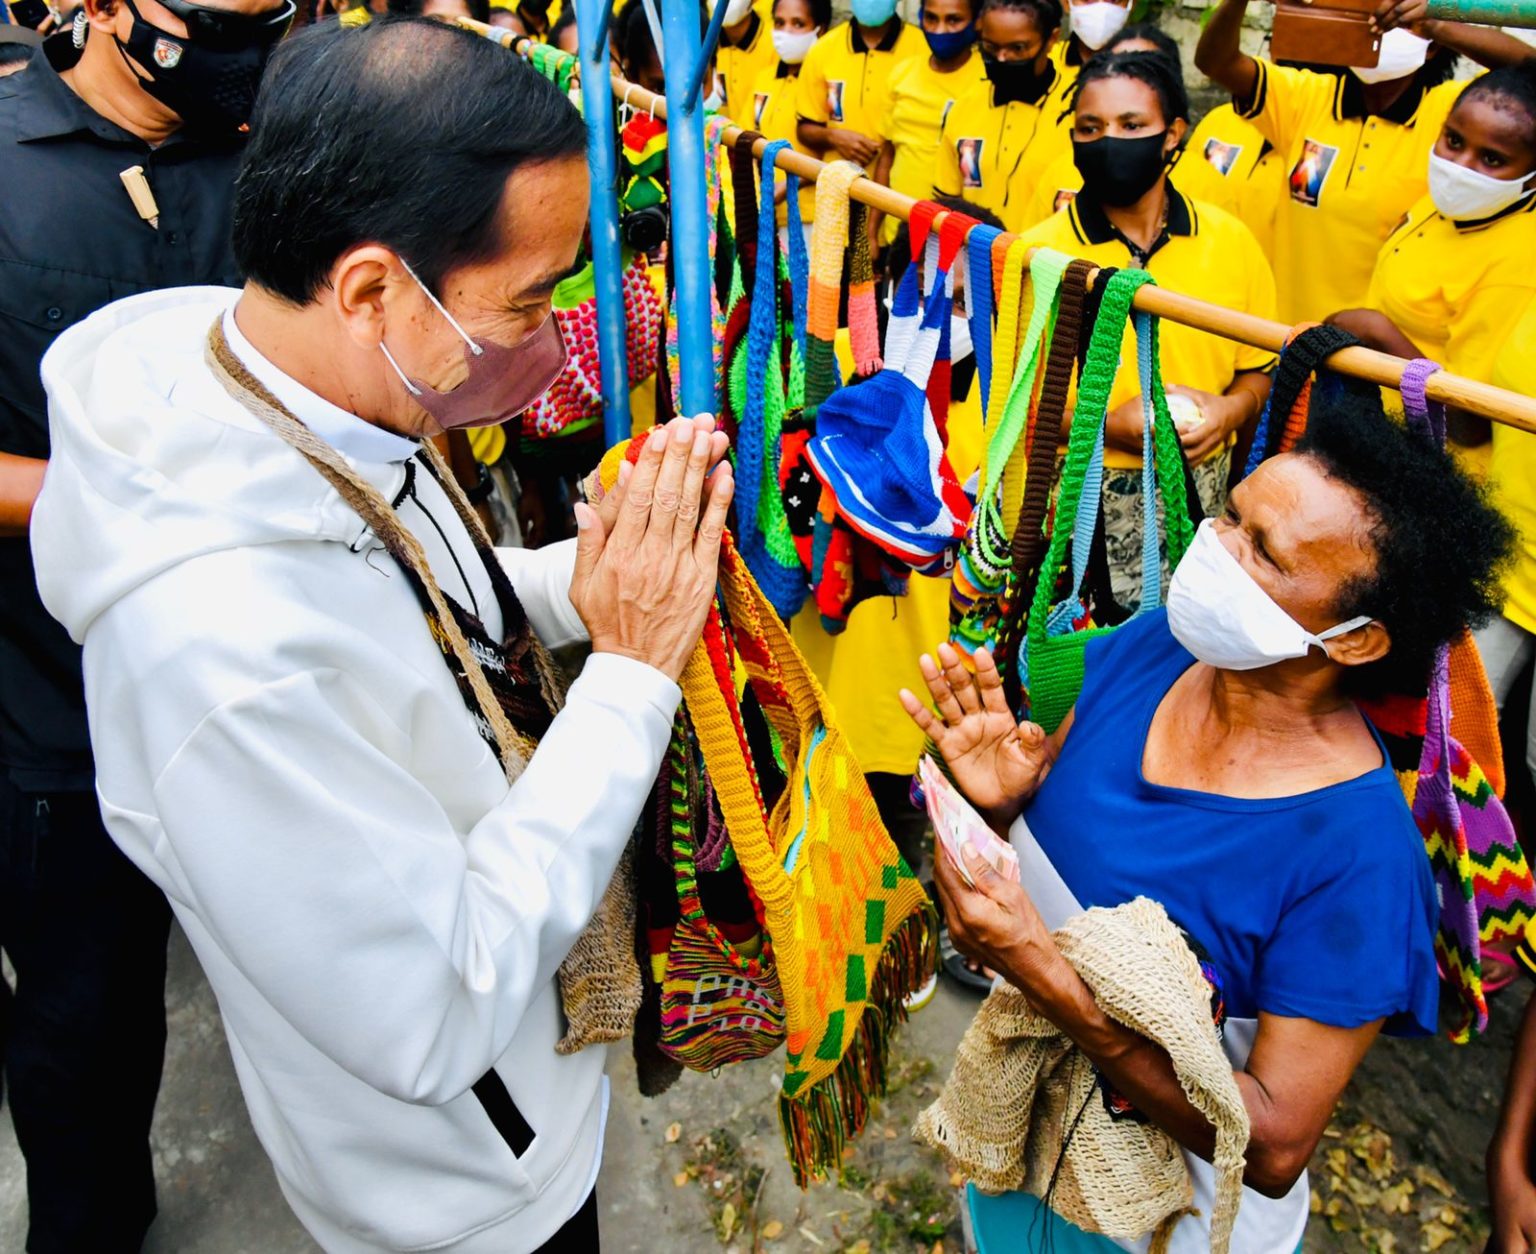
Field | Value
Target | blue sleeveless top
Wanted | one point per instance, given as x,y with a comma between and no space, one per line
1318,906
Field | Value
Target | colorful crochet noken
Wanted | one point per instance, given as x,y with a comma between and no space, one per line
829,242
852,932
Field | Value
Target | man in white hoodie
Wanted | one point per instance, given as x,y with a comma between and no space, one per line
280,745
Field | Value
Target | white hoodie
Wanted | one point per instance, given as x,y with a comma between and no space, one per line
281,748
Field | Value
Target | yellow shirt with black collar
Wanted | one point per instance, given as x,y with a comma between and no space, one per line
845,84
1228,163
773,115
921,97
1513,471
1349,179
1203,252
995,154
738,67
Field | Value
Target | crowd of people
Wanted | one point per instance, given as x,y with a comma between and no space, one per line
277,592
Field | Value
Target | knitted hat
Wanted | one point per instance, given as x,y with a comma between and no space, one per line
879,447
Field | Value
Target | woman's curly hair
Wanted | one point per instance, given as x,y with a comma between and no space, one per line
1441,546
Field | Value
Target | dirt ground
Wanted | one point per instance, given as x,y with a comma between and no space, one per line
1400,1170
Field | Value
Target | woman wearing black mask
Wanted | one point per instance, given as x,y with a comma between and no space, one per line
1002,133
1130,117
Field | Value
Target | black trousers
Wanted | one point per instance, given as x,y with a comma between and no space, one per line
82,1036
579,1235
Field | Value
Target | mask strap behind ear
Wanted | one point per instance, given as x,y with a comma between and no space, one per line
452,321
389,357
1343,629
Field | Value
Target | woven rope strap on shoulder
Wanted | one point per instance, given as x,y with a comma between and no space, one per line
369,504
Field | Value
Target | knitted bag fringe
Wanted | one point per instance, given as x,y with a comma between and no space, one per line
852,932
1022,1108
714,131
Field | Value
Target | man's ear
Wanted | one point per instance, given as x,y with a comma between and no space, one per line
1178,129
1365,644
368,283
101,14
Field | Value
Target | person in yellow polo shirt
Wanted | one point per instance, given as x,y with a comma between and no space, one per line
845,81
1465,255
1354,147
1130,117
797,25
1092,26
922,92
745,50
1046,191
1228,163
1508,643
1001,134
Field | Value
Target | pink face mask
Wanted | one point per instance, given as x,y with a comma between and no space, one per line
503,380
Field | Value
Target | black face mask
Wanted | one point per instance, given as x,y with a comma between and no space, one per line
212,90
1119,172
1017,80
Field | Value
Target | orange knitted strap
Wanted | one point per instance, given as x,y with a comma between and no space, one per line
1005,340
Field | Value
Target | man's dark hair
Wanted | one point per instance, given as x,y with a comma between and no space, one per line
15,54
1164,77
1046,13
1155,35
821,14
1440,546
402,132
567,18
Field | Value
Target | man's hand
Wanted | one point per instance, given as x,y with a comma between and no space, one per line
1221,415
997,763
646,561
860,149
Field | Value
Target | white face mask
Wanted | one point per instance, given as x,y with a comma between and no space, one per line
1219,613
793,45
1098,22
960,346
735,10
1465,195
1402,52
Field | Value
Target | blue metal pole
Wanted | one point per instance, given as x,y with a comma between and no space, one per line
690,222
607,260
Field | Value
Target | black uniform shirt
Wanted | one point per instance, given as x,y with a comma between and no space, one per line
71,242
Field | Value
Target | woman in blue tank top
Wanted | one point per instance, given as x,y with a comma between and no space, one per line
1216,762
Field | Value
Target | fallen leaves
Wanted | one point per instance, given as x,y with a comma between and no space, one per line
674,1130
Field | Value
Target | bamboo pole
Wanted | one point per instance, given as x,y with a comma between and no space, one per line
1510,409
1484,12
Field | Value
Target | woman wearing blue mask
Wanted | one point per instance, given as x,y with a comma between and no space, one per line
845,82
923,90
1460,260
1216,762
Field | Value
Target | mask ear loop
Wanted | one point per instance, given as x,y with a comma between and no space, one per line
452,321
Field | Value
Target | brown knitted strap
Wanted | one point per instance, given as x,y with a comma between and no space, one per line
744,189
380,517
1028,535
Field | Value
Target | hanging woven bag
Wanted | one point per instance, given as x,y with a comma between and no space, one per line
1058,632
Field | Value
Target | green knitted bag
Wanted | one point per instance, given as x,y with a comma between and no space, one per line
1057,635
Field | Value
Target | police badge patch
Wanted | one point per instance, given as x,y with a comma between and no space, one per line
167,54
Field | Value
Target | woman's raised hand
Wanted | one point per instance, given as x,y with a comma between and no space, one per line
647,558
997,762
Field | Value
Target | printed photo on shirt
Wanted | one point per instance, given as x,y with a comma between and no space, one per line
759,103
1064,197
968,155
1222,155
835,99
1311,172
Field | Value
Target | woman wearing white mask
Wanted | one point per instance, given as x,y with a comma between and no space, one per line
1354,147
745,51
1448,276
1216,762
797,25
1090,25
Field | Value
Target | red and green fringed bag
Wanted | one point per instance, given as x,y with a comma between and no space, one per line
1058,632
849,930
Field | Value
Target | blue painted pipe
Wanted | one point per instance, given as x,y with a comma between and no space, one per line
690,219
607,259
711,38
